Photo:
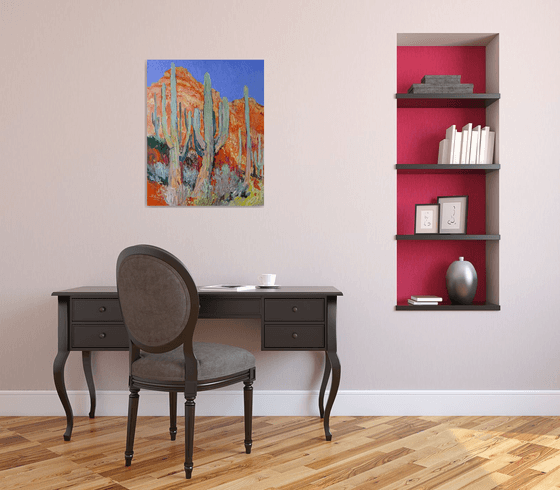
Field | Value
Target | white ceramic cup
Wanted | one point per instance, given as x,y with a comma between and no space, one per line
267,279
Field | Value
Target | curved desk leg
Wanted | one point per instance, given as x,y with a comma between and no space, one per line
58,371
335,363
86,362
326,376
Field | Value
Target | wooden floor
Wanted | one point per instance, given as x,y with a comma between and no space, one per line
417,453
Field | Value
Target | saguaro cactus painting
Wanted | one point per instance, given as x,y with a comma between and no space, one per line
205,130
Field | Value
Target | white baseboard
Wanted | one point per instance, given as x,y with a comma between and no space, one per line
296,403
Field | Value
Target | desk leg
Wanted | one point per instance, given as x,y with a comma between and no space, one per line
58,371
86,362
326,376
335,363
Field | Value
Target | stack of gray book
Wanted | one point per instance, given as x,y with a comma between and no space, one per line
441,84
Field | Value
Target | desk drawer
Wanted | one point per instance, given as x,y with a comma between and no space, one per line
96,310
294,310
220,307
99,336
294,337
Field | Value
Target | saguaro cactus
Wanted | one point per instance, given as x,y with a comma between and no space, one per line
260,160
173,135
183,151
248,129
214,137
240,150
156,121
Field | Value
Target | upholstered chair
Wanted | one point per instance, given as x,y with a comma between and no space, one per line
159,303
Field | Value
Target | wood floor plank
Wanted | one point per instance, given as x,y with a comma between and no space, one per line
500,446
355,451
534,428
431,478
394,471
524,480
289,453
367,422
24,456
487,482
478,474
437,436
308,451
477,445
326,477
530,455
54,474
550,482
398,474
10,442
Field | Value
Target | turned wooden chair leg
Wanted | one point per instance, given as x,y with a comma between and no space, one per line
173,415
189,436
248,409
131,424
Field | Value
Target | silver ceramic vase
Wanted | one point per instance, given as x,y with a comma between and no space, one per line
461,281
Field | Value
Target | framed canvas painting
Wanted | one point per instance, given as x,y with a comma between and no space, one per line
205,132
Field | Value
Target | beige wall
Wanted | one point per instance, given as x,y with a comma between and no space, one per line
73,154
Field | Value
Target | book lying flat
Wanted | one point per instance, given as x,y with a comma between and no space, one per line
441,79
422,88
423,303
227,287
426,297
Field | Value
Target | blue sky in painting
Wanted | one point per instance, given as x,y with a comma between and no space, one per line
228,76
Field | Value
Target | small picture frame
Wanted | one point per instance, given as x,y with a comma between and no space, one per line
426,219
453,212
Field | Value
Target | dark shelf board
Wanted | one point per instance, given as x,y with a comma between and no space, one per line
437,236
445,100
439,168
449,307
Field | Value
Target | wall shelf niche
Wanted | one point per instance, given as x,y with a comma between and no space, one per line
422,119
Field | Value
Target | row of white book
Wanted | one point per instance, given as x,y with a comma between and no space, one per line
469,146
425,300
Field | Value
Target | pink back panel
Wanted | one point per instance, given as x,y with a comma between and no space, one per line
421,188
419,131
413,62
421,266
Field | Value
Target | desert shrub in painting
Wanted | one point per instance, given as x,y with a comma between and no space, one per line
227,183
203,150
189,177
176,196
158,173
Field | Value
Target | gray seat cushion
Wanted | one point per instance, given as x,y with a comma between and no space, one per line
213,360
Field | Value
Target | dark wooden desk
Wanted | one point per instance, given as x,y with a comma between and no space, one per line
292,319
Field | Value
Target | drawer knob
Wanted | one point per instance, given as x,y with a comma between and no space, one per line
294,335
102,309
102,335
294,309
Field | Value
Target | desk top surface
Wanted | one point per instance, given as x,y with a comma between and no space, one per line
291,291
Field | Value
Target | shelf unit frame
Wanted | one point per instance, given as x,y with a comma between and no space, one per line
490,101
